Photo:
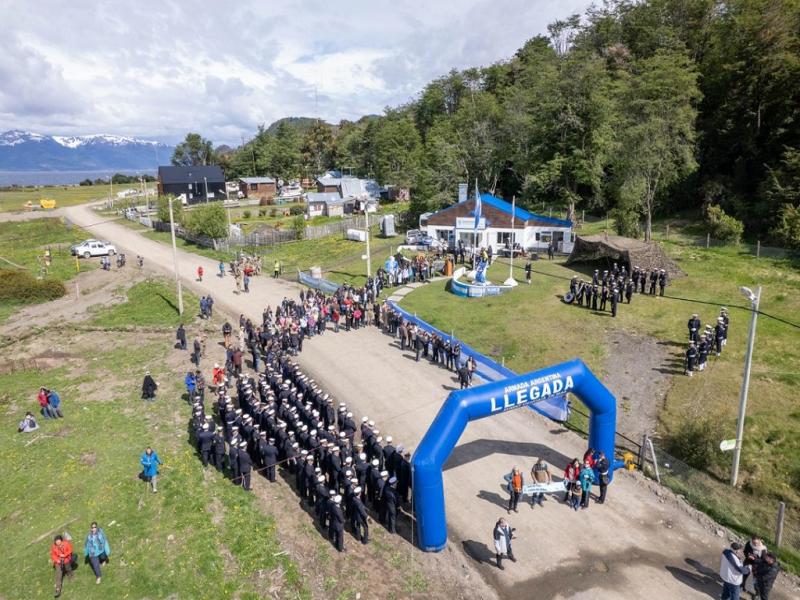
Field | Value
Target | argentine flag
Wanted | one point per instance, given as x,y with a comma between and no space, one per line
478,207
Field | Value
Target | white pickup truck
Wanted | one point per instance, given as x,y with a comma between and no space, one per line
91,248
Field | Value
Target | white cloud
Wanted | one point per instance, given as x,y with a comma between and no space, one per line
159,68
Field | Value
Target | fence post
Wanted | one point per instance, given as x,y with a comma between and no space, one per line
708,240
667,230
758,248
642,452
779,524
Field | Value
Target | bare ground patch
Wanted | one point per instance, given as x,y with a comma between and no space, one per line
638,371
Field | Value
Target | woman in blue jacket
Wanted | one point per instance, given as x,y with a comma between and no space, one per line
96,549
586,477
150,462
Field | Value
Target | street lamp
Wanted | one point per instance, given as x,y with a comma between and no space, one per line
754,299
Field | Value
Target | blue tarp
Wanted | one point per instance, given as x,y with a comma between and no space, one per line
326,286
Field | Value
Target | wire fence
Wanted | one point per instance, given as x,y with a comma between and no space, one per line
739,511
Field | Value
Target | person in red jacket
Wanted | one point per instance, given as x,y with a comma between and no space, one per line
61,557
200,273
571,474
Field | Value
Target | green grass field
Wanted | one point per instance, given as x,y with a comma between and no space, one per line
14,200
199,537
23,243
150,303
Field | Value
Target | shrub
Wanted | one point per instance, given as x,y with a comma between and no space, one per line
21,286
262,213
696,441
788,229
246,214
209,220
273,212
723,227
296,210
299,226
163,209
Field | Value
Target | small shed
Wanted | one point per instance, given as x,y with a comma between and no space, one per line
610,249
328,204
263,188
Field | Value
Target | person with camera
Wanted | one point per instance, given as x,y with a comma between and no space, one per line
96,549
503,534
62,559
515,483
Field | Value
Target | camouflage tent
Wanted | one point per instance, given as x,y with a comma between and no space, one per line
621,250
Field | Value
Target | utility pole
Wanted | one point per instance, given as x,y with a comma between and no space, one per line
755,299
511,281
366,224
205,181
175,258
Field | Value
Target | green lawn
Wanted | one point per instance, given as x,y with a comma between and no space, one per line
150,303
23,243
199,537
14,200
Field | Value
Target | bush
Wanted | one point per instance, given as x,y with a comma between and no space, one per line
246,214
696,442
21,286
723,227
163,209
273,212
209,220
299,226
262,213
296,210
788,228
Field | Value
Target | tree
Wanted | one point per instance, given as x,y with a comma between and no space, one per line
194,150
658,130
163,209
209,220
319,148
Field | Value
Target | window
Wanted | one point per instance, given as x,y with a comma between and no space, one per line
253,187
505,238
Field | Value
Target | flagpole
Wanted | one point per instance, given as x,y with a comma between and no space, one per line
511,281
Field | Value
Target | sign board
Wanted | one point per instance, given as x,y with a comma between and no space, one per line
726,445
462,192
469,223
532,391
544,488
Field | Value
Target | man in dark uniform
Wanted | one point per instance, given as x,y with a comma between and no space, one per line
390,504
269,456
603,298
528,269
388,456
245,466
642,279
719,335
218,447
205,440
463,376
702,353
662,282
404,477
321,504
358,516
614,296
602,466
233,461
594,294
653,281
693,325
629,290
691,357
635,278
336,526
580,292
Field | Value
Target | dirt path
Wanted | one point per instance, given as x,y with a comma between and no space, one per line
629,548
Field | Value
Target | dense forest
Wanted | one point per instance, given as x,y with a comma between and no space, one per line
635,108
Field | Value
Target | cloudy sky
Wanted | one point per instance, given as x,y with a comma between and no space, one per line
160,68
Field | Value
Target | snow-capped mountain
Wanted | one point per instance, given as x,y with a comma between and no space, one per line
27,151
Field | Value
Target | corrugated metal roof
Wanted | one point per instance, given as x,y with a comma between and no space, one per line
506,207
326,197
256,180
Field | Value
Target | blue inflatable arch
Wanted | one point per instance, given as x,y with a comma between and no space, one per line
464,406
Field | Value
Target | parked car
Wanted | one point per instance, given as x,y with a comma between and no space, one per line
430,242
91,248
413,236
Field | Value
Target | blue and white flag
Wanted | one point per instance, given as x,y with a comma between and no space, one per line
478,207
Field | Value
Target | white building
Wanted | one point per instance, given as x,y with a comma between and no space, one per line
499,227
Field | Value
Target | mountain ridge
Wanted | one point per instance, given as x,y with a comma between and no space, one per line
29,151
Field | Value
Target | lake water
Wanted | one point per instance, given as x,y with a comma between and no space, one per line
58,177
